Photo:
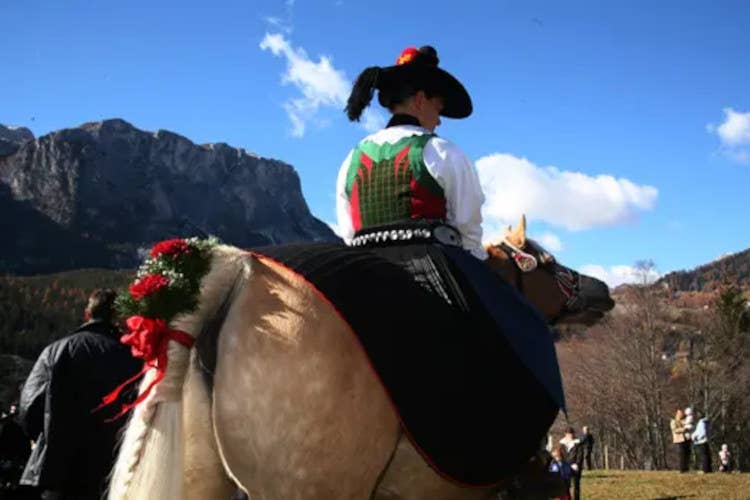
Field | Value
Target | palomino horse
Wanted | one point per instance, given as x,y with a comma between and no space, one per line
295,410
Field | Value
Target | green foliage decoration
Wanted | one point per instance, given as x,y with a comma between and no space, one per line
178,265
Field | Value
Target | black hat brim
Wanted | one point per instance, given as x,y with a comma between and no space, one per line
456,100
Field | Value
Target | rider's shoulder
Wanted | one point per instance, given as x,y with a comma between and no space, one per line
445,148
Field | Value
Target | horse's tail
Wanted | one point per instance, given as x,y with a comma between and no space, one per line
150,461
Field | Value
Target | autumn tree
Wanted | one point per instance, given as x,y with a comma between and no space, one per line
719,371
617,379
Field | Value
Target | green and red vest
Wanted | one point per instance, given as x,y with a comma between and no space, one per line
387,183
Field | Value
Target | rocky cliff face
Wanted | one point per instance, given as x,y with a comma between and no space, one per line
112,189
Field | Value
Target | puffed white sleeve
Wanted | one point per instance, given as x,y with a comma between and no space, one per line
458,177
343,208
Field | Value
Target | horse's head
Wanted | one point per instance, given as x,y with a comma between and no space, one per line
561,294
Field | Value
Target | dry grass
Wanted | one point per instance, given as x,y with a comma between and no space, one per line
616,484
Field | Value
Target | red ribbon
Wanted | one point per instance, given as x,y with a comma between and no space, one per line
148,339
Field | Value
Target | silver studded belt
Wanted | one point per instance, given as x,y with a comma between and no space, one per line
408,232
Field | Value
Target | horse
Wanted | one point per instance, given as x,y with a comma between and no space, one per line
293,409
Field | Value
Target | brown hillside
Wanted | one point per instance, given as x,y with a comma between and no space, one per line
709,277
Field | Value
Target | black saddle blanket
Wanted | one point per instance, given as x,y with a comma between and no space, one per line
466,399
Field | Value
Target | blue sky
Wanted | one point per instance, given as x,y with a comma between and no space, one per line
621,128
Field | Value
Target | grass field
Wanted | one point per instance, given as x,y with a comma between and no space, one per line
616,484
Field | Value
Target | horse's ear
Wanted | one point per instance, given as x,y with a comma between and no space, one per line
518,234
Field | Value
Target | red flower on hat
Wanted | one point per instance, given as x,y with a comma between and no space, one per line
151,283
173,247
407,55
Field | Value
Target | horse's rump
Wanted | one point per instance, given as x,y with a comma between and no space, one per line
466,401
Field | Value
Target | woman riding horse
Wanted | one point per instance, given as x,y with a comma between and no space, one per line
415,198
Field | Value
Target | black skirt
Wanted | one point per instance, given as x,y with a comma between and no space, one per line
469,285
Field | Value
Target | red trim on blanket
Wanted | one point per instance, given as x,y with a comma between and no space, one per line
325,299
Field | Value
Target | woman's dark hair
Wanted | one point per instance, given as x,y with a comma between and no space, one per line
362,92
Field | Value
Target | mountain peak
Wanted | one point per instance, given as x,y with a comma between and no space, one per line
11,138
109,123
123,188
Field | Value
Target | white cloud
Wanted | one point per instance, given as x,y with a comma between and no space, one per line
285,24
550,242
618,275
279,24
562,198
734,134
320,84
735,131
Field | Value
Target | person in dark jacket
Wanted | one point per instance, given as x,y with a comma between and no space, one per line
574,451
587,440
562,470
14,450
74,445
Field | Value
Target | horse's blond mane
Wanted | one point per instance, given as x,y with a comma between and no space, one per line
149,464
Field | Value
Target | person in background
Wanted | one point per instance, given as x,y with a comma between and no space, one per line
725,459
75,445
14,450
700,443
573,453
587,440
678,438
688,422
561,468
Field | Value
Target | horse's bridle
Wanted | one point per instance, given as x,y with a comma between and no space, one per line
568,280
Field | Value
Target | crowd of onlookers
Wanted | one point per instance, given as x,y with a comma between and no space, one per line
689,435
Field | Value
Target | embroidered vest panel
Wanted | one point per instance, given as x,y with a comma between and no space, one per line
389,182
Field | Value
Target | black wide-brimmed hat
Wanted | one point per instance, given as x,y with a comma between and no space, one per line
417,69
